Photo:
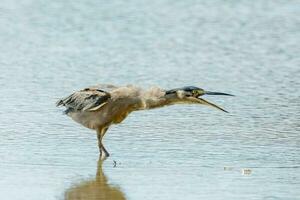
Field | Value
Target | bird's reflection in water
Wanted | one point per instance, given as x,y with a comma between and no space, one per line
95,189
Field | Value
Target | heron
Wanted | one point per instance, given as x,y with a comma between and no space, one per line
98,107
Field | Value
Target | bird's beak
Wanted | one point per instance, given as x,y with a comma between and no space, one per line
205,102
216,93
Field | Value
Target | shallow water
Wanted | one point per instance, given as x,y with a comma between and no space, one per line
250,48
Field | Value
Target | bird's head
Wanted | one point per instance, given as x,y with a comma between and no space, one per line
192,94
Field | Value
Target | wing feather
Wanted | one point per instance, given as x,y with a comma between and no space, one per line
88,99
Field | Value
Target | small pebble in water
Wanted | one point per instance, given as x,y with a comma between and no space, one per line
246,171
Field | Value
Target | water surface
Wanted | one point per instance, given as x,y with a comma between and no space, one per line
248,48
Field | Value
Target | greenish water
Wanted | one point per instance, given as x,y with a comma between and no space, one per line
248,48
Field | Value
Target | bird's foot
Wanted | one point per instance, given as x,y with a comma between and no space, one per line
104,154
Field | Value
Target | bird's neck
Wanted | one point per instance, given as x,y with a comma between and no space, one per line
156,102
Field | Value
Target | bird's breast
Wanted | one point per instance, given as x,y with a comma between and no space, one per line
120,117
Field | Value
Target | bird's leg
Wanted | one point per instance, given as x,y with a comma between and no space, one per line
100,133
103,148
99,142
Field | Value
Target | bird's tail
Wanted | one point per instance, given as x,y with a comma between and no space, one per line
59,102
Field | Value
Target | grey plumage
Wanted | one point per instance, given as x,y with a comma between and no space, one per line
88,99
100,106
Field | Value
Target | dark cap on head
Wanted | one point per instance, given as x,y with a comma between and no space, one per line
186,88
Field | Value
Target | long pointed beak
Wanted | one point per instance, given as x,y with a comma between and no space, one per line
217,93
204,102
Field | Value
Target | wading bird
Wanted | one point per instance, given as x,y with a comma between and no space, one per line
100,106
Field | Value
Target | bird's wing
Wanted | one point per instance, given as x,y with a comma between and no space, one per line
104,87
88,99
